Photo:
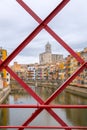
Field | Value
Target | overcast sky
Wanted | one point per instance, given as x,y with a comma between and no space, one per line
16,24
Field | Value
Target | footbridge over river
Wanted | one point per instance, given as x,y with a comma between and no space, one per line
43,104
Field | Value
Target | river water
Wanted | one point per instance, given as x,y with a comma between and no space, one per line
16,116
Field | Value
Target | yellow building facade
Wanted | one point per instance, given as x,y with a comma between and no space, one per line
4,74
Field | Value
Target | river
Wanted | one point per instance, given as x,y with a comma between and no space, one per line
16,116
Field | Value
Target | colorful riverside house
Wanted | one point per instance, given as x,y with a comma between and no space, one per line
20,70
71,66
82,81
62,71
31,72
4,74
67,67
46,72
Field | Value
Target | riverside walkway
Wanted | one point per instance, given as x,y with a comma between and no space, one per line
4,93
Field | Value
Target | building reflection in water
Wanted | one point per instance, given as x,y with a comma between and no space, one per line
4,116
76,116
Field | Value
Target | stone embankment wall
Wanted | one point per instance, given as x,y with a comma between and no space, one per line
80,91
47,83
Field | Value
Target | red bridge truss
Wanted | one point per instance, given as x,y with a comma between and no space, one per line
44,104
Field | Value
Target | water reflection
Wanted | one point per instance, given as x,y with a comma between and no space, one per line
70,116
76,116
4,116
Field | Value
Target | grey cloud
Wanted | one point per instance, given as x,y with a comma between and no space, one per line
42,8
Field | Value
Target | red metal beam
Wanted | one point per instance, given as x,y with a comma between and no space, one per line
44,106
46,127
36,113
51,32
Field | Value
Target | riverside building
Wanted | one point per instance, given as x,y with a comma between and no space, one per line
4,74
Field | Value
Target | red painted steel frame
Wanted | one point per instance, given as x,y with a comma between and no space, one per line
46,127
44,105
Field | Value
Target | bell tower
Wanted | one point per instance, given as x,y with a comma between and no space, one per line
48,47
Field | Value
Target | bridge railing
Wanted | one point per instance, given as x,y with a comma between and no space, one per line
44,104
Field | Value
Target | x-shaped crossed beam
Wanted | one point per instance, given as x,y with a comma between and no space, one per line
43,24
